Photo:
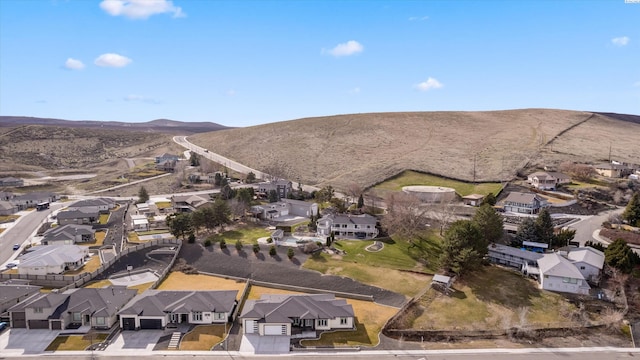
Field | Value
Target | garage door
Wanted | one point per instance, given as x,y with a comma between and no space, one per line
150,323
275,329
128,323
38,324
19,320
56,325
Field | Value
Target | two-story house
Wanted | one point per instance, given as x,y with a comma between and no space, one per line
69,234
524,203
282,188
543,180
347,226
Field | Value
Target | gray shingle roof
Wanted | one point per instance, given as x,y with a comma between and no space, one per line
282,308
11,292
67,232
509,250
522,198
52,255
556,265
160,302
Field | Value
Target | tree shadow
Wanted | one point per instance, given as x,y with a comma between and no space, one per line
457,294
226,251
501,286
295,261
260,256
242,254
276,257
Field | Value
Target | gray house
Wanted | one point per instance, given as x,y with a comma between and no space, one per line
30,200
84,215
511,256
69,234
103,205
7,208
11,181
97,308
12,294
52,259
524,203
347,226
155,309
282,187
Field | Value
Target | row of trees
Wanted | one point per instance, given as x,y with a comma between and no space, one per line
541,230
186,225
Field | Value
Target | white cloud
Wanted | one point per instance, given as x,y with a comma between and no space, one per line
355,90
112,60
620,41
73,64
140,98
346,49
429,84
636,84
140,9
231,92
419,18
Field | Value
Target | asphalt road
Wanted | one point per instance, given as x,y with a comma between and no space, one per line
22,230
534,354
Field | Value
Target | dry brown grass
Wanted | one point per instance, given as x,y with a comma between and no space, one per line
182,281
203,337
368,148
90,266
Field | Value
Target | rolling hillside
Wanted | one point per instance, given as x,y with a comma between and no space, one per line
368,148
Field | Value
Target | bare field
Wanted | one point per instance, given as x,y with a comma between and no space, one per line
368,148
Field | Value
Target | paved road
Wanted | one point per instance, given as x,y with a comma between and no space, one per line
585,227
498,354
23,229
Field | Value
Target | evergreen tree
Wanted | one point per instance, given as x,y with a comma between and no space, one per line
490,223
251,177
563,237
526,232
180,225
220,212
620,256
217,180
194,159
463,247
143,195
632,212
490,199
360,202
273,196
544,227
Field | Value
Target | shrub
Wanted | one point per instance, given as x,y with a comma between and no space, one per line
269,240
239,245
207,242
256,248
272,250
290,253
191,238
223,244
311,247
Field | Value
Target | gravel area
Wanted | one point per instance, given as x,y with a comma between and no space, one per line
138,260
278,269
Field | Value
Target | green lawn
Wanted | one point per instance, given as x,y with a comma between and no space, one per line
493,298
408,178
247,233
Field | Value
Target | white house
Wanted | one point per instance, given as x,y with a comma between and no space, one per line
525,203
139,222
588,261
347,226
547,180
558,273
154,309
286,207
52,259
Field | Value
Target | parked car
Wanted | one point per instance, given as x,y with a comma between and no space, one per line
3,325
11,265
16,247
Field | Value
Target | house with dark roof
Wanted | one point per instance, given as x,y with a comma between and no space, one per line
511,256
52,259
544,180
524,203
347,226
287,314
97,308
282,187
6,196
155,309
69,234
166,157
84,215
30,200
11,181
7,208
613,170
102,204
473,199
11,294
188,203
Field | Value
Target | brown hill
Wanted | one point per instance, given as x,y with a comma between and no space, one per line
368,148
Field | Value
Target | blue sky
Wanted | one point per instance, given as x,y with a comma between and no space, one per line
241,63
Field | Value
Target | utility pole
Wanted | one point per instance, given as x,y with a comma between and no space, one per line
474,167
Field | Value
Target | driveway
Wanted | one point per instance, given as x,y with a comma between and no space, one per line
135,340
23,341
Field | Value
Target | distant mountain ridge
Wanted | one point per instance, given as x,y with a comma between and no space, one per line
158,125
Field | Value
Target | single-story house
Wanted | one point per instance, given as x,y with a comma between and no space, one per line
301,208
473,199
102,204
148,208
11,294
6,195
167,165
347,226
52,259
30,200
140,223
547,180
7,208
288,314
557,273
511,256
282,187
69,234
97,308
154,309
83,215
166,157
11,182
284,207
525,203
188,203
613,170
197,177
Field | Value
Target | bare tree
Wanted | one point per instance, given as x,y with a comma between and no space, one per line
443,213
406,216
179,174
238,208
276,171
353,192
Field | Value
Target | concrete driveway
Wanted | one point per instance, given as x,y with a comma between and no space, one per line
135,340
23,341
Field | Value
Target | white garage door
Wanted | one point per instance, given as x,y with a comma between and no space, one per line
249,327
275,330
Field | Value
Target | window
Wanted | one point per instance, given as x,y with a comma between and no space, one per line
37,310
100,321
582,267
567,280
322,322
77,316
344,321
197,316
218,316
